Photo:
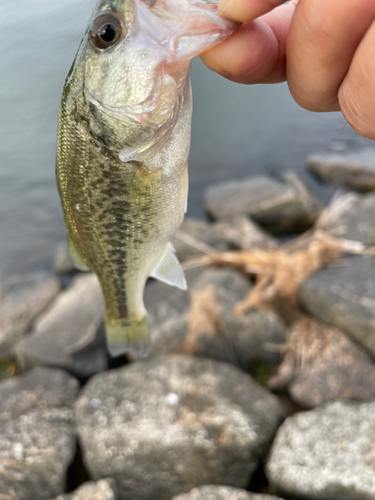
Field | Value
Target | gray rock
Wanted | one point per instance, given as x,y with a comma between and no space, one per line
280,205
350,216
202,322
165,426
216,332
221,493
342,371
326,453
344,295
105,489
242,233
22,299
40,388
355,170
35,452
195,229
70,334
63,263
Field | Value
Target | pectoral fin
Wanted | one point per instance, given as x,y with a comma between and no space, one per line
169,270
77,259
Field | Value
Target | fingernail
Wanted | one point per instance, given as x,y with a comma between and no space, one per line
224,6
211,65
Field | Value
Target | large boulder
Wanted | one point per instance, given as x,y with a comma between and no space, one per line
35,452
22,299
326,453
202,322
344,295
195,234
70,334
221,493
165,426
243,234
350,216
355,170
342,371
280,205
38,389
105,489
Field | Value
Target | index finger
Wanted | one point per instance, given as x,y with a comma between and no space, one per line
242,11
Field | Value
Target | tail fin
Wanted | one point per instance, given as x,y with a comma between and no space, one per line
128,334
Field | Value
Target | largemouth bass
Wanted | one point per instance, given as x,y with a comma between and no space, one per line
123,145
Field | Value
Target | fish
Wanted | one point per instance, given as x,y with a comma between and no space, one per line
122,150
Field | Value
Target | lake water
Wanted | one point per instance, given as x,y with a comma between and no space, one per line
237,130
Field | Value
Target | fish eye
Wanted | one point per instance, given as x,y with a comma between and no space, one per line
106,31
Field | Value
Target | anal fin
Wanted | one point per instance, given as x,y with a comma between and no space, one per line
77,259
169,270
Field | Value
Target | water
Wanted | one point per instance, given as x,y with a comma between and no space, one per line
237,130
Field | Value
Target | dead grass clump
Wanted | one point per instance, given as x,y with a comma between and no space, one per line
277,275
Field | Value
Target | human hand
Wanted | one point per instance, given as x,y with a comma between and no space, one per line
325,49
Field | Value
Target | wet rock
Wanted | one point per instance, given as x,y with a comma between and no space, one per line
355,170
202,322
242,233
35,452
40,388
165,426
350,216
221,493
22,299
104,489
342,371
280,205
326,453
193,235
344,296
63,263
70,334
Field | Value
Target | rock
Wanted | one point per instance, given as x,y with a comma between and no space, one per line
221,493
242,233
35,452
344,296
63,263
104,489
215,331
195,229
40,388
165,426
70,334
355,170
202,322
22,299
350,216
342,371
280,205
327,453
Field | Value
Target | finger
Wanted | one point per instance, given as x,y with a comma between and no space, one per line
255,53
246,10
356,94
322,41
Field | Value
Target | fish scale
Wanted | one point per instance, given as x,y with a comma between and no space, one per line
123,145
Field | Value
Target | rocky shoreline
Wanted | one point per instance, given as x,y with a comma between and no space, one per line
275,402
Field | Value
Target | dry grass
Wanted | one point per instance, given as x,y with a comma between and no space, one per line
277,275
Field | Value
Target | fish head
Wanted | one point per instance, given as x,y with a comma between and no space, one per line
134,62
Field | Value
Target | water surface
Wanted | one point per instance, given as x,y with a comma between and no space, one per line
237,130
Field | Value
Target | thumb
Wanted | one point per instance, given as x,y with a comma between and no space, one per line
246,10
